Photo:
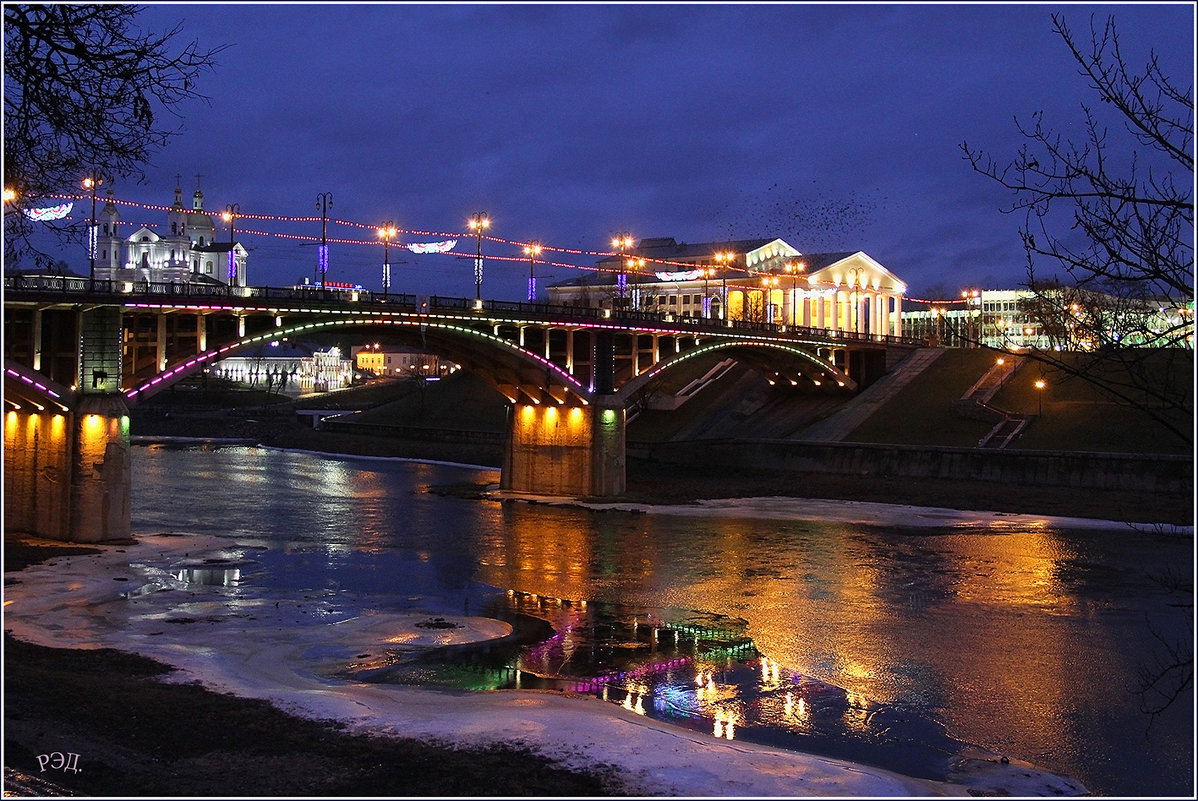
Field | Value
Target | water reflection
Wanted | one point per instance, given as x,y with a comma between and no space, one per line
1026,642
694,669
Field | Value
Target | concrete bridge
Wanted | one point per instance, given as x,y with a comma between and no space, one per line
79,354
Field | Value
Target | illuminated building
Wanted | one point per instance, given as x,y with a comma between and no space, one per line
1055,319
759,280
186,252
287,368
400,361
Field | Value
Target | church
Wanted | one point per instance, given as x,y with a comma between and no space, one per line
187,252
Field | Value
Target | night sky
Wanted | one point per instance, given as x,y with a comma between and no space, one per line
834,127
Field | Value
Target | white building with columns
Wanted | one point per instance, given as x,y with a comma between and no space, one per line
761,280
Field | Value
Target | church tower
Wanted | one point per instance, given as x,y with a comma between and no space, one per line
108,242
200,227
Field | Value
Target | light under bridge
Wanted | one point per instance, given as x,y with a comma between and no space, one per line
79,354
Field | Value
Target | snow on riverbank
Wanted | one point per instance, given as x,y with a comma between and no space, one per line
859,512
285,649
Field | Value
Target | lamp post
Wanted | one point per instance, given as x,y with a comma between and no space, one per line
973,303
532,250
386,231
724,259
795,268
324,202
854,311
767,312
707,273
92,182
1040,385
621,242
479,223
232,211
634,268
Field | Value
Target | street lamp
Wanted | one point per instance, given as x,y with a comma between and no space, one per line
724,259
479,223
91,182
707,273
767,312
324,201
973,303
532,250
795,268
232,212
634,267
855,311
386,231
621,242
1040,385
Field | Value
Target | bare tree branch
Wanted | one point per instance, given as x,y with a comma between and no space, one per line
1113,211
85,93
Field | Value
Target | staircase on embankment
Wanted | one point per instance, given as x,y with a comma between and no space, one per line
975,404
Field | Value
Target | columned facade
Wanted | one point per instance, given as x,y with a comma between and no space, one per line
759,281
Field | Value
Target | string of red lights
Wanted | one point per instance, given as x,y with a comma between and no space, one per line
517,244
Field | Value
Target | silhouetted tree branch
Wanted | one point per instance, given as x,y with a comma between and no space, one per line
1115,214
84,94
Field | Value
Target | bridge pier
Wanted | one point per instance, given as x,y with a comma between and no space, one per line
575,451
67,476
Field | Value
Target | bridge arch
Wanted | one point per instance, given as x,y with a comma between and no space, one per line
517,373
782,358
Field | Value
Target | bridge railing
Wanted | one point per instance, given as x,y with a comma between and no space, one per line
123,291
69,284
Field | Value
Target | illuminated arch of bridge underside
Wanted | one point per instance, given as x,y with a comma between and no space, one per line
803,364
536,378
519,374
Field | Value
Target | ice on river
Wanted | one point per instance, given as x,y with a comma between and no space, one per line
147,598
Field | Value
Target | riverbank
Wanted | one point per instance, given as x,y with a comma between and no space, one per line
266,721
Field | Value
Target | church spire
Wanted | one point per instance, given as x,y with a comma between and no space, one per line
197,200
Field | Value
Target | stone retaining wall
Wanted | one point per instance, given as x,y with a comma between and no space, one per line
1148,473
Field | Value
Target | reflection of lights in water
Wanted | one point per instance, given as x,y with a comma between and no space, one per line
724,725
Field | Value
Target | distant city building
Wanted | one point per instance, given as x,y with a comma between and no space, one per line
758,280
1058,319
187,251
289,368
400,361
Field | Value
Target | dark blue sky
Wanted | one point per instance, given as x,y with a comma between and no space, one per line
835,127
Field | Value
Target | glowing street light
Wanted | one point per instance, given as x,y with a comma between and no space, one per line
532,250
634,267
707,273
723,260
91,182
479,223
795,269
767,310
1040,385
386,231
622,242
230,215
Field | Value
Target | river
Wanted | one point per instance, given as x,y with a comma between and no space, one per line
1024,640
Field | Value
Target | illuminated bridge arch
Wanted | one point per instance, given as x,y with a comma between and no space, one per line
26,390
777,361
522,376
